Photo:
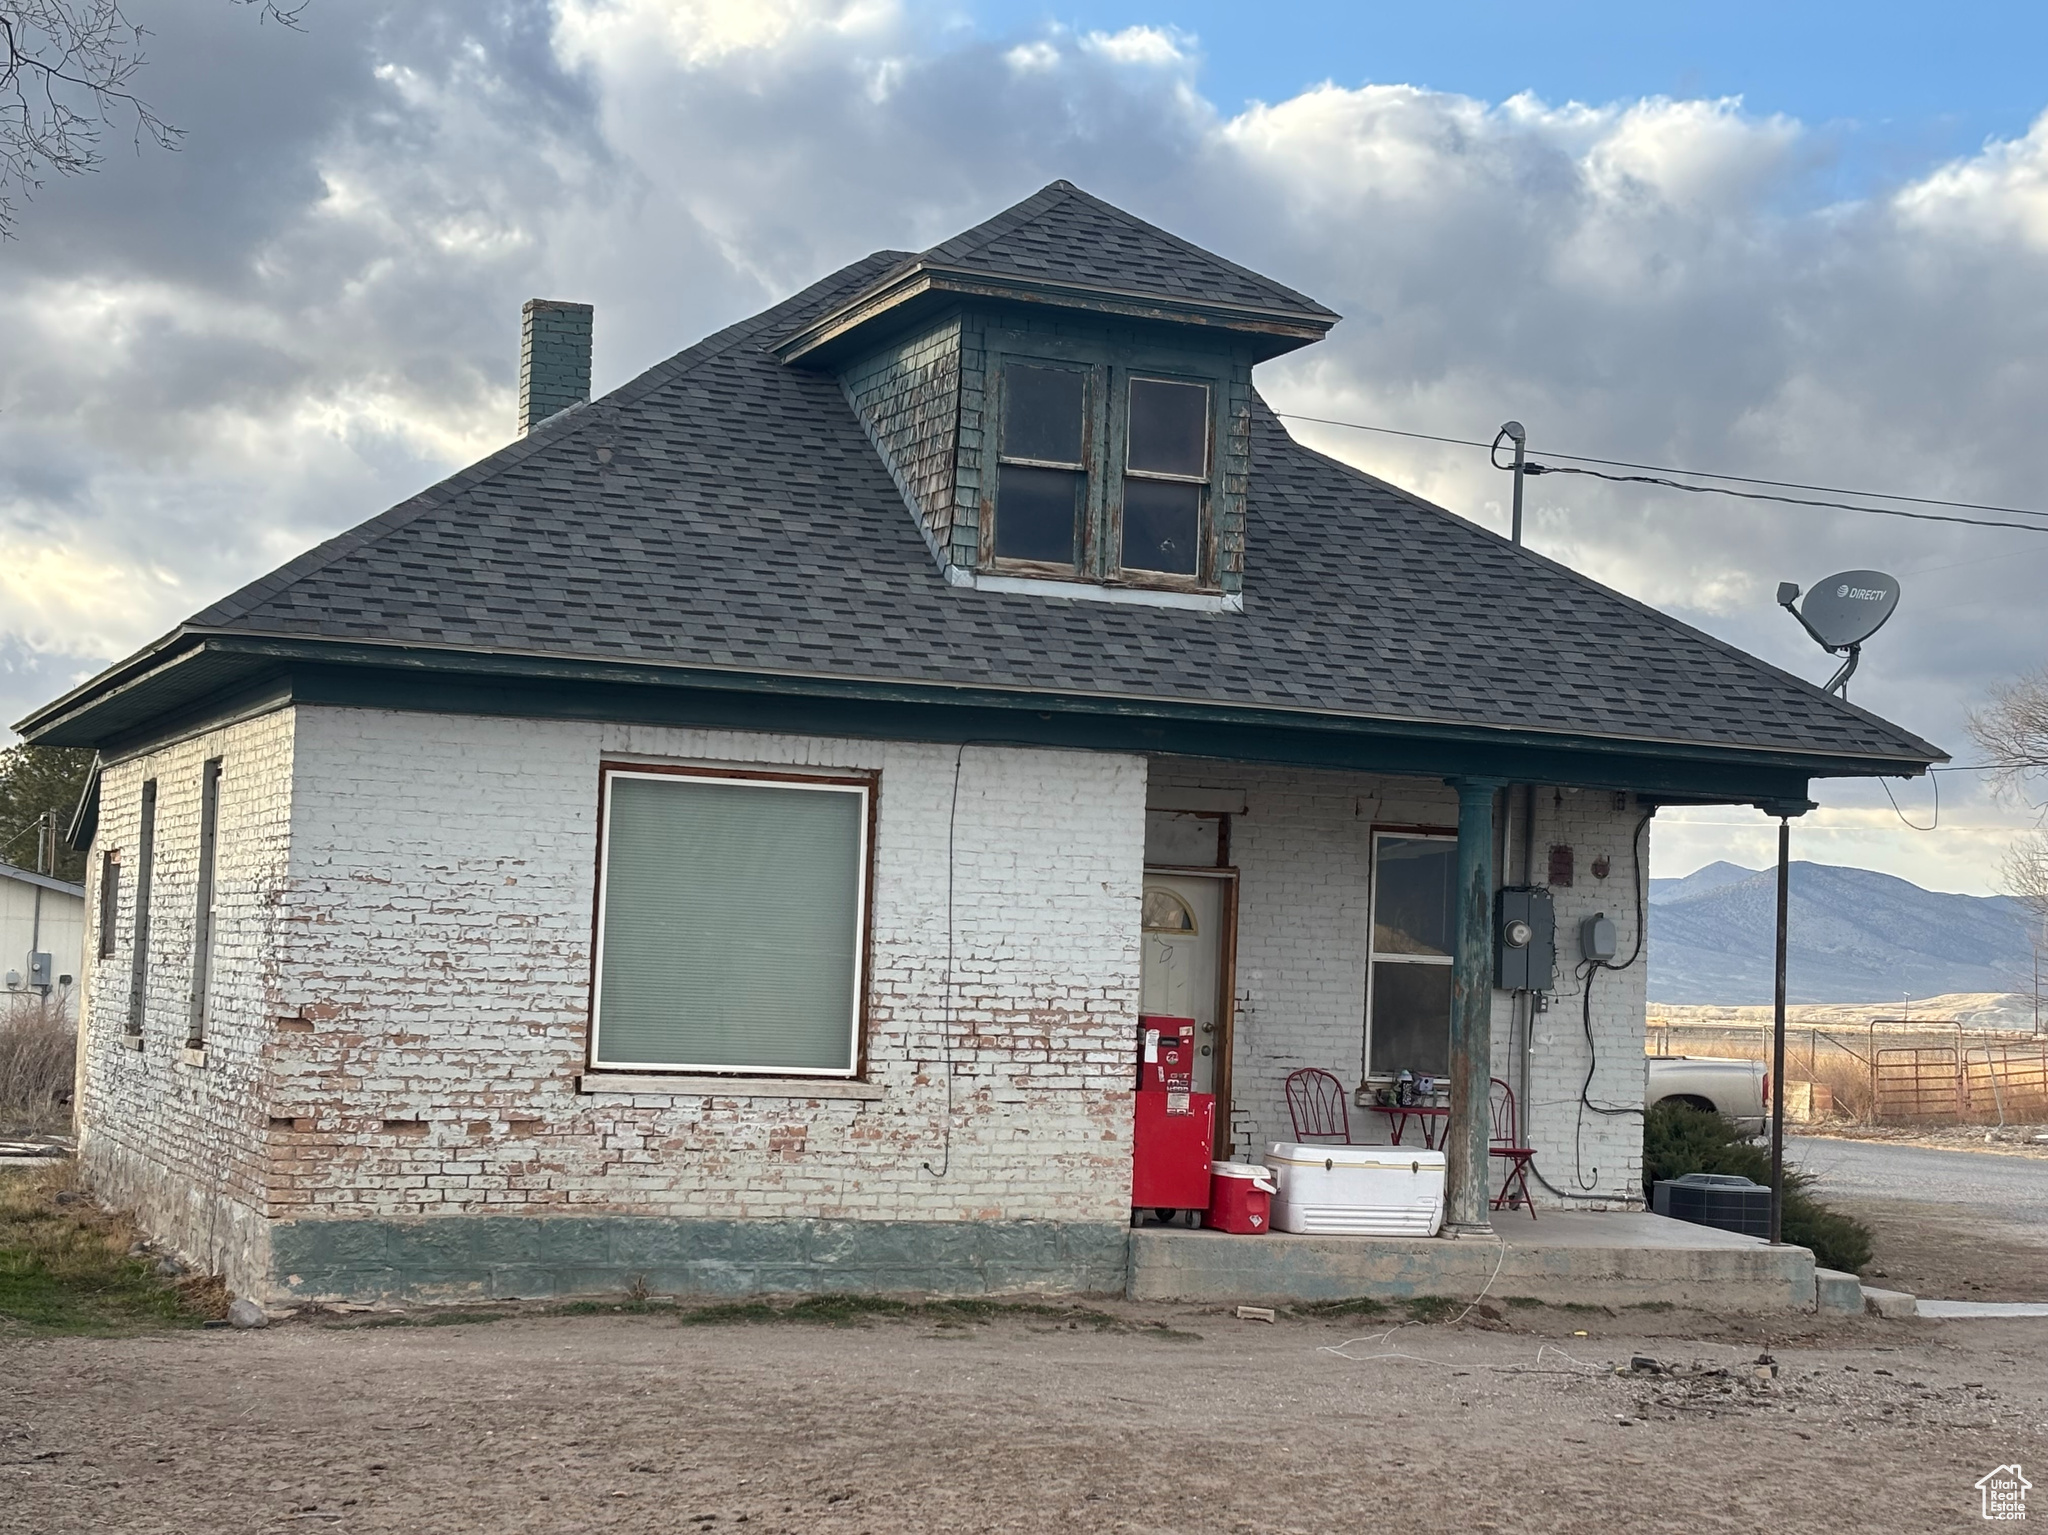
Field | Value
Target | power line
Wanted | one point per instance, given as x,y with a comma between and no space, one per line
1709,474
1758,495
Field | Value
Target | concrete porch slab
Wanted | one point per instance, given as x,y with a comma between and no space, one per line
1603,1259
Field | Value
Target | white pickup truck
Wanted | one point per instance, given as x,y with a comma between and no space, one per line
1739,1089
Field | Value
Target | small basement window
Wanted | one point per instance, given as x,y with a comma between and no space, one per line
732,915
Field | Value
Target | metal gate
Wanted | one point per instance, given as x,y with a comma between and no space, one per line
1916,1082
1990,1084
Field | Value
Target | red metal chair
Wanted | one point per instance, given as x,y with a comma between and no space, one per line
1507,1145
1316,1104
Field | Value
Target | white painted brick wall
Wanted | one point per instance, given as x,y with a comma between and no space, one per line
183,1143
436,937
1303,852
1596,1159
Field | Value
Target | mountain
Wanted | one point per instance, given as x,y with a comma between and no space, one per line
1699,882
1853,936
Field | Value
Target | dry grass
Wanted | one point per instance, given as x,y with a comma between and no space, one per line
67,1266
38,1043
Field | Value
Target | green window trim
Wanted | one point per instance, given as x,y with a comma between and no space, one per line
1108,475
732,918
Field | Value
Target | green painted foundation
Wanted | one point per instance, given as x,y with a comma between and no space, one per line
456,1257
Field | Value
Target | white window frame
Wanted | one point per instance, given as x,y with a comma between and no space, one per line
1373,957
764,778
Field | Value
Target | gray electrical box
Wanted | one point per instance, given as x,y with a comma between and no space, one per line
1524,940
39,968
1596,938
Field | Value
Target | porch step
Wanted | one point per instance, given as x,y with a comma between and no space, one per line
1576,1257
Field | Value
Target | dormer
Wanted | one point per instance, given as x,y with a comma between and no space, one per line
1063,396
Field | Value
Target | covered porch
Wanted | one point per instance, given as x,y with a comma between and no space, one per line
1344,923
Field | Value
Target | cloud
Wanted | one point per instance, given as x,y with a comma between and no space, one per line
218,357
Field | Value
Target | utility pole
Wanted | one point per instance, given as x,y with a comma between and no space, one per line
1515,433
1778,1039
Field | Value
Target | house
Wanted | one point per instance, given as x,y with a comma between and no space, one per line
728,835
42,933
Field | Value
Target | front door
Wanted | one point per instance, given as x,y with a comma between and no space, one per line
1181,975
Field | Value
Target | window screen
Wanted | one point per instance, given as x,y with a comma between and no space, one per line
1166,460
1169,428
730,925
1409,990
1038,505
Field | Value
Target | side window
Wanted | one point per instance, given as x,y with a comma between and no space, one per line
145,863
1042,489
1166,476
110,901
203,923
1408,986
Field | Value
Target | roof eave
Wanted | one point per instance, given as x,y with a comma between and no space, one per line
927,285
89,715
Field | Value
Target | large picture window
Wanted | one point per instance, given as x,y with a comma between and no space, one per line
1408,985
731,915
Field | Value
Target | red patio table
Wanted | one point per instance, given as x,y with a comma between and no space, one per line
1398,1116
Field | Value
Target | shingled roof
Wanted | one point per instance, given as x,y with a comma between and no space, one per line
1064,233
725,512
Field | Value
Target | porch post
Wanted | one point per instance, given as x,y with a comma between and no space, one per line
1468,1203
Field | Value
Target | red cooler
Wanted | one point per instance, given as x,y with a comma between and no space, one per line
1240,1198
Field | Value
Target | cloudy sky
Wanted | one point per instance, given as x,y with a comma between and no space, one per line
1812,251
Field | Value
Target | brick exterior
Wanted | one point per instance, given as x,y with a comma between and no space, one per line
185,1139
554,359
411,994
398,1019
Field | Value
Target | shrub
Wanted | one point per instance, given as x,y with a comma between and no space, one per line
1679,1139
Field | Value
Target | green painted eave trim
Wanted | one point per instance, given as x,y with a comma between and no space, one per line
929,284
194,676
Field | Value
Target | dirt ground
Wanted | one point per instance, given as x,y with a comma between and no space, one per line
1939,1251
1022,1423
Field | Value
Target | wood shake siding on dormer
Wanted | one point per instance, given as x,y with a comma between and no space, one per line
907,396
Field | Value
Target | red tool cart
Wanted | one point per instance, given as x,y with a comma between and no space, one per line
1175,1125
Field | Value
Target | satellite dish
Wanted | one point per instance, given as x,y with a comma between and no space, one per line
1848,608
1842,612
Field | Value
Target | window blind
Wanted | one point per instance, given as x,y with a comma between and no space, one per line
730,929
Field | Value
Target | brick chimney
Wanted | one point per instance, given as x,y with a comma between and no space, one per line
554,359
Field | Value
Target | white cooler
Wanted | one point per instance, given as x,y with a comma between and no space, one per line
1388,1191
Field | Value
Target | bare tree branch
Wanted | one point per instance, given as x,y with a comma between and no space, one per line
2012,730
67,71
2024,872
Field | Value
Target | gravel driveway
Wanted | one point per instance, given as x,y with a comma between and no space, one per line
2001,1189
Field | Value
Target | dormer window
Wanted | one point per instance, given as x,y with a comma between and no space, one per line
1101,466
1042,499
1166,476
